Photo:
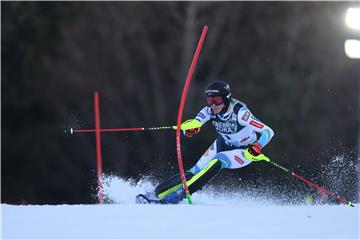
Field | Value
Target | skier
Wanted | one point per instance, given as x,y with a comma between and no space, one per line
237,130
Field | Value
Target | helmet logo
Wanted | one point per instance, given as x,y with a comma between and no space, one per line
212,91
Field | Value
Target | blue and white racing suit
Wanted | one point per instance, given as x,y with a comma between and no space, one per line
237,128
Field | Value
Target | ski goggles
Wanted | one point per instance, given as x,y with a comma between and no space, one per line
217,100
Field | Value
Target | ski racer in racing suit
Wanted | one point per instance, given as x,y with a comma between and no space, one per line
237,130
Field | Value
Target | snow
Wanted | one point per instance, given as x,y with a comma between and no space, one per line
209,217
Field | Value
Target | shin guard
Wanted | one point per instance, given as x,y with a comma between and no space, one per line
194,182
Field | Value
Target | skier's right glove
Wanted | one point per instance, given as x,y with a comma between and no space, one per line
191,127
191,132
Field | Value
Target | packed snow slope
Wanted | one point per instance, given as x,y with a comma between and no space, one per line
180,221
209,217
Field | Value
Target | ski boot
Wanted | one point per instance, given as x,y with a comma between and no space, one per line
174,197
147,198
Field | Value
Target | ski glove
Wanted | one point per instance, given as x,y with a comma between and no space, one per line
255,149
191,132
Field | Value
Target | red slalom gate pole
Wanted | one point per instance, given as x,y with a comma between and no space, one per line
98,146
181,108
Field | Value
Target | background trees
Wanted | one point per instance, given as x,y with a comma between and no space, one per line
284,59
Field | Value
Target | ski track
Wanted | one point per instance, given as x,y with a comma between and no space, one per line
211,216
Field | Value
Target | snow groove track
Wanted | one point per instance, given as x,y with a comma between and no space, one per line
185,221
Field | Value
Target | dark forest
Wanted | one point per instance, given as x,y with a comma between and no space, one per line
285,60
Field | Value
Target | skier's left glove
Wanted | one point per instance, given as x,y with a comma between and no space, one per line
255,149
191,132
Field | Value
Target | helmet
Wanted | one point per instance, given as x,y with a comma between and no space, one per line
219,88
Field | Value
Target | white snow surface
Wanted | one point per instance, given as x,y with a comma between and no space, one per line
230,216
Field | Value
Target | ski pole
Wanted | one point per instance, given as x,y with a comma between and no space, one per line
72,130
327,192
189,124
292,173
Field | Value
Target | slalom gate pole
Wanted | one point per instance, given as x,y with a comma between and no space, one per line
311,183
72,130
98,147
181,108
